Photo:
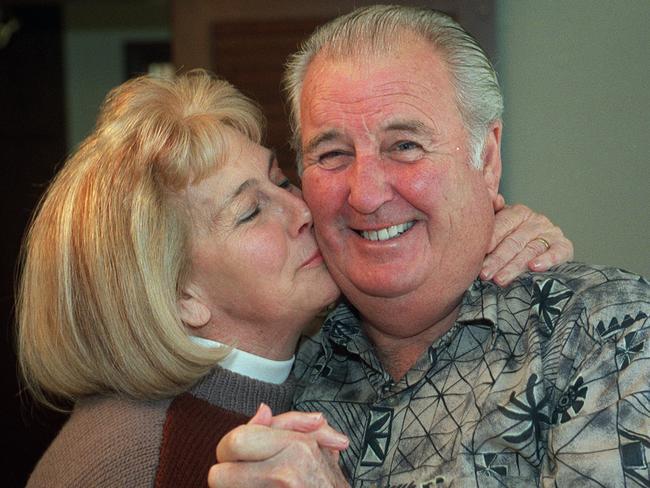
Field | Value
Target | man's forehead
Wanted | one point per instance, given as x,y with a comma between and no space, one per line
409,90
352,82
377,91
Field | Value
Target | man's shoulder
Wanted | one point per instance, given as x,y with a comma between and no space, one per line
593,284
611,299
586,278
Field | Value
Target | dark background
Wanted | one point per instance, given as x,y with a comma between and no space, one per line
32,144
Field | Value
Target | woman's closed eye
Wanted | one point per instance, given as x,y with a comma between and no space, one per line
278,178
285,183
255,209
250,214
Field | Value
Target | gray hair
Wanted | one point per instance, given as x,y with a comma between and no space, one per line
378,30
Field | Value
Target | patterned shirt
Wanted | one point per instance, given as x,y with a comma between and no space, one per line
543,383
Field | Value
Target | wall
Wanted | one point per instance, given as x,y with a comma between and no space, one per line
577,121
94,39
192,19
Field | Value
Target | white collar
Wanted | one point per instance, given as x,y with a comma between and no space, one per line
251,365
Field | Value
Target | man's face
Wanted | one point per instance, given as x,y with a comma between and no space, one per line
399,212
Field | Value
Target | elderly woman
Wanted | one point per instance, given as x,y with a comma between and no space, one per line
166,279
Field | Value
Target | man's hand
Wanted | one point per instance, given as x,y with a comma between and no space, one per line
522,240
290,450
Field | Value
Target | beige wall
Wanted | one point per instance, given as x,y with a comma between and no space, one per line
576,79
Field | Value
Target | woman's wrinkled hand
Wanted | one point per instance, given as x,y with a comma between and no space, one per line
295,449
523,240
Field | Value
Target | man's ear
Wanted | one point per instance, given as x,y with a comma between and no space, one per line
193,311
492,160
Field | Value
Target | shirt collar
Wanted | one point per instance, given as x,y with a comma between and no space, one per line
343,325
251,365
479,304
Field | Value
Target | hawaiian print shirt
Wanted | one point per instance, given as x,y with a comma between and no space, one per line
543,383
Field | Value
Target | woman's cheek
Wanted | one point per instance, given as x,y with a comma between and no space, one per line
265,250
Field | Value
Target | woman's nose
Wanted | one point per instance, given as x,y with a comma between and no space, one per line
300,217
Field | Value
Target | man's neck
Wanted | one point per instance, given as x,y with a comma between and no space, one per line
399,352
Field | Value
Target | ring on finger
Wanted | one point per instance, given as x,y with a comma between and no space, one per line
543,241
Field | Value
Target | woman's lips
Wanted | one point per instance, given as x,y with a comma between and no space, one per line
314,260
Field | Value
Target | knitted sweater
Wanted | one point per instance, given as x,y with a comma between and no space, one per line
117,442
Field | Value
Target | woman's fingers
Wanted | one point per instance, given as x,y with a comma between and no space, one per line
523,240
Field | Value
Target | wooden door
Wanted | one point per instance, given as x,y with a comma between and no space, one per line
251,55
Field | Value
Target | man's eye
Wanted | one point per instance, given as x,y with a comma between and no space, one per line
334,159
406,146
250,215
286,184
330,155
406,151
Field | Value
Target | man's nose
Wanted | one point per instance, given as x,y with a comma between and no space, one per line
370,185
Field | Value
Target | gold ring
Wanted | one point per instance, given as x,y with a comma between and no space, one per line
543,241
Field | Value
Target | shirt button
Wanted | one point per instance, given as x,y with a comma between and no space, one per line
392,400
387,387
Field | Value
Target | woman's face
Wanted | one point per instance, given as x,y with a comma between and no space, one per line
256,267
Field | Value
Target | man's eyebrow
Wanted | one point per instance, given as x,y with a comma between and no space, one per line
326,136
406,125
414,126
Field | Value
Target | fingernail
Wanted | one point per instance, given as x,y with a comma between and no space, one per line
344,441
316,416
536,264
502,279
262,415
486,274
339,441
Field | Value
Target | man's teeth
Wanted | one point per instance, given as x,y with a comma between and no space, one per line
387,233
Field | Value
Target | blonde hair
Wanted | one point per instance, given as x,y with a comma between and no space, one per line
106,254
378,30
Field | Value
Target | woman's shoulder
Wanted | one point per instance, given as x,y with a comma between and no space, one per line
106,442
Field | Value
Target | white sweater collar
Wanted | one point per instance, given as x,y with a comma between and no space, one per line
251,365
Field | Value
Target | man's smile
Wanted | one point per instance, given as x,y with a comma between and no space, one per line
387,232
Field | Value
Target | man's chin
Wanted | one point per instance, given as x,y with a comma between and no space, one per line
384,288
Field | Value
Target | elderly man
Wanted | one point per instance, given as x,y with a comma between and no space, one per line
440,379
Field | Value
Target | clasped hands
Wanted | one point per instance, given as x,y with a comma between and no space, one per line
294,449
